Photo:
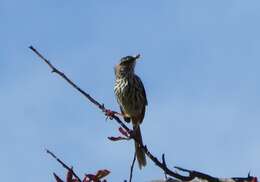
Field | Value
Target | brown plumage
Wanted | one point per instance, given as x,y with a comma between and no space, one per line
131,98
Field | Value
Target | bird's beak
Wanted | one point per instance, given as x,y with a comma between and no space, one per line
137,57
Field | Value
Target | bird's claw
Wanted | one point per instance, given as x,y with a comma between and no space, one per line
110,114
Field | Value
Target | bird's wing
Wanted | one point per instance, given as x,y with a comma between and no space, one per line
141,86
143,93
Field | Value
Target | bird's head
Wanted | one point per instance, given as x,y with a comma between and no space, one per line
126,66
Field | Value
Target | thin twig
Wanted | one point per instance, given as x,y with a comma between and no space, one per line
132,168
63,164
86,95
198,174
57,178
55,70
164,163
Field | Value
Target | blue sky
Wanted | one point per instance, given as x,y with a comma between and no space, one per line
200,66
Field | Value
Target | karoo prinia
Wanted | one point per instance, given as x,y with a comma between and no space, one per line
131,97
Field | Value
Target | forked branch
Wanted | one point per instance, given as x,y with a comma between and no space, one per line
161,164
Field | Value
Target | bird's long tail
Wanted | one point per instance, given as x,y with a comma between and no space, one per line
140,155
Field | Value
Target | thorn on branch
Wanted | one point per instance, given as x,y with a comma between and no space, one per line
54,70
163,160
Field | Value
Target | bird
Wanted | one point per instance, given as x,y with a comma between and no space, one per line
131,97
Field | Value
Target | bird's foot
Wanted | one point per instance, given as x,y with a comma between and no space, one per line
110,114
133,134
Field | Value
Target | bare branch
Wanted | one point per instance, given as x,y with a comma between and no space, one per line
164,163
55,70
57,178
132,168
63,165
112,115
86,95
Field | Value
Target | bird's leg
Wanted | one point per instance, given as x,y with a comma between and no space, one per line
133,134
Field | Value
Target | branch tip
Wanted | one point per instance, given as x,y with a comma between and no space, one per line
163,160
182,169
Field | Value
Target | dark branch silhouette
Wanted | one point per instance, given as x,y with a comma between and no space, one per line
100,174
112,115
63,165
132,168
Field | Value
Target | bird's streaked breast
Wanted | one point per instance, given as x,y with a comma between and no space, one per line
129,96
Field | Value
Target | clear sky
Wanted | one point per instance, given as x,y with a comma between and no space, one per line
200,67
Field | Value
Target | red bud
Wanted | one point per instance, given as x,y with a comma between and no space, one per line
254,179
69,175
